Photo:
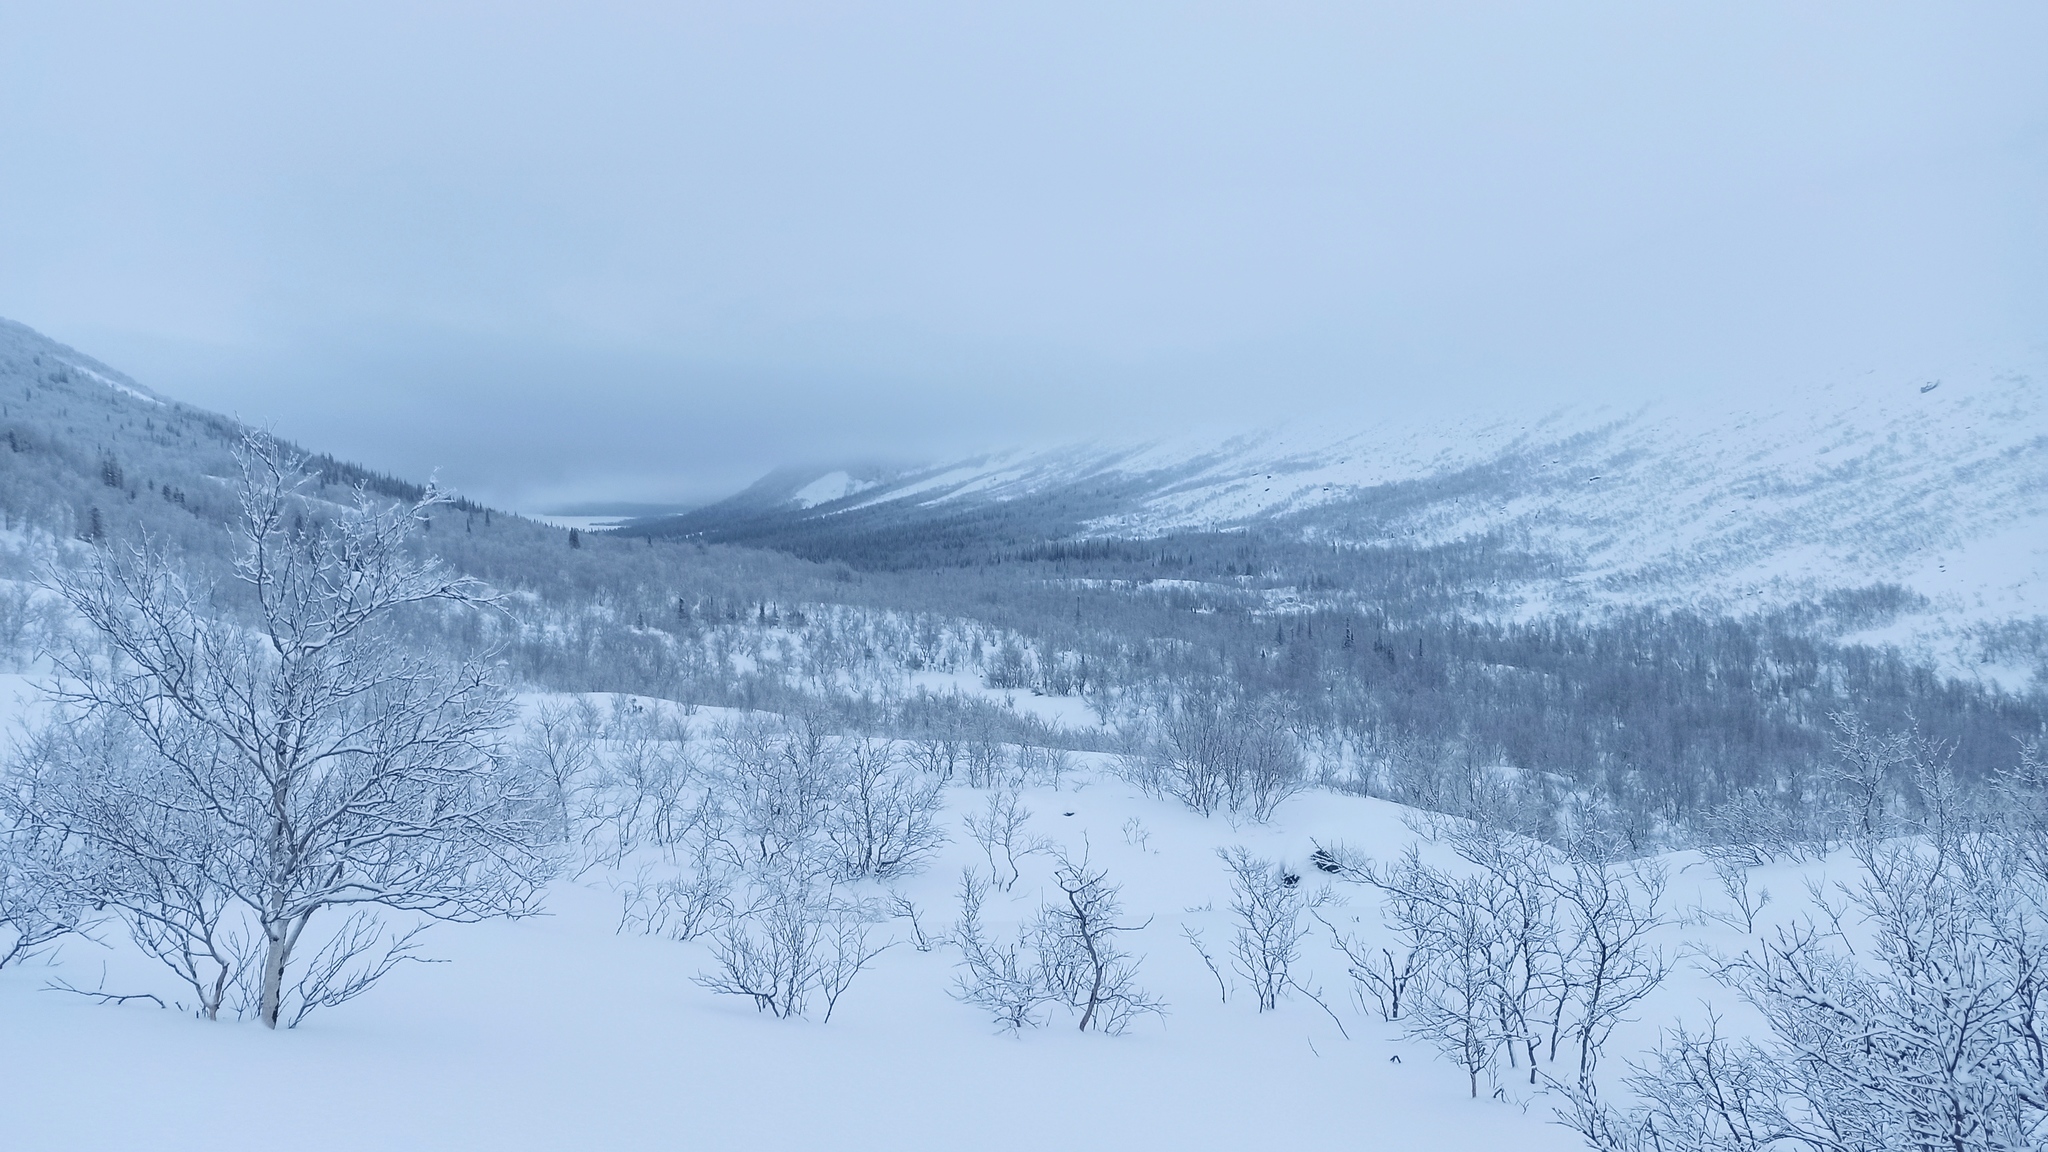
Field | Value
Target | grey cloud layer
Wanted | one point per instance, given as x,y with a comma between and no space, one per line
605,251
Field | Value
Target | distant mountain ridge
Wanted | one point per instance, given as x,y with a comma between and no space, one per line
1931,499
1939,489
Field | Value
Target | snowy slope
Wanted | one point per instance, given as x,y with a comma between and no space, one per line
561,1032
1716,504
19,339
837,485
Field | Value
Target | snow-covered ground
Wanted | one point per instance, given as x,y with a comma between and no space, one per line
829,487
1064,711
581,523
560,1032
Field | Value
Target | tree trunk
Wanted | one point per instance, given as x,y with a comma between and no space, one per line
1094,962
213,996
277,953
274,957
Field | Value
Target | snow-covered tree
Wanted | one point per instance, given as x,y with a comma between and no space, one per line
1078,935
886,821
35,909
1266,901
276,747
1068,953
1213,751
798,942
1927,1035
1520,951
999,829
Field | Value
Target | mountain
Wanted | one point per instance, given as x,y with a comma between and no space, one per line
1934,491
1667,603
86,452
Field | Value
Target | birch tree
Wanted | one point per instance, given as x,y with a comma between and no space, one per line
1266,901
287,727
1078,933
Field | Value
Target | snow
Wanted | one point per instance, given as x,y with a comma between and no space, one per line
1698,502
1070,712
116,385
944,480
555,1035
559,1032
829,487
556,1032
580,523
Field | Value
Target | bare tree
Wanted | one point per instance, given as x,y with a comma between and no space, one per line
1608,913
1385,975
1925,1032
1137,835
902,907
319,759
1926,1036
1068,953
2020,820
558,748
799,940
1518,952
1757,826
1481,967
1515,883
1194,938
1457,996
1216,754
1007,978
337,972
32,915
1267,901
773,791
100,800
1044,767
679,907
886,820
1079,938
1867,770
1745,903
1382,973
639,791
984,760
936,754
999,829
1699,1092
1270,766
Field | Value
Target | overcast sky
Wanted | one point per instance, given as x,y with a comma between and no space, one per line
648,251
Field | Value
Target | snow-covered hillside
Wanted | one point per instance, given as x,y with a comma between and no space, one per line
564,1032
572,1030
1717,504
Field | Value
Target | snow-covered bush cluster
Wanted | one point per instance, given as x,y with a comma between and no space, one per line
761,840
1067,954
1512,958
1215,753
1906,1012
